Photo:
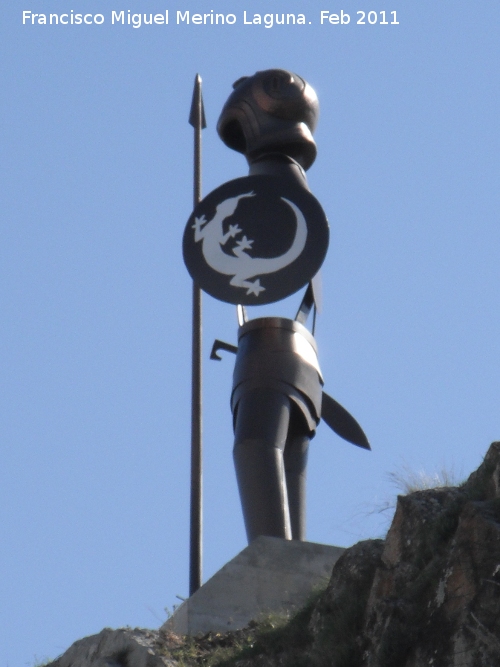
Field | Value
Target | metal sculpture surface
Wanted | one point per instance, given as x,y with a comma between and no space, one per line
256,240
198,122
276,403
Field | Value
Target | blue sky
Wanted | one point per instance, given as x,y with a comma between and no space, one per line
96,189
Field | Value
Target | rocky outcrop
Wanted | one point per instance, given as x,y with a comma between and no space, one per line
115,648
427,596
433,597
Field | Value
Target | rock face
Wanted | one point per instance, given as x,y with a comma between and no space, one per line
115,648
429,595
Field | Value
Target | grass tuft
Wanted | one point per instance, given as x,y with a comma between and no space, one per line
408,480
42,662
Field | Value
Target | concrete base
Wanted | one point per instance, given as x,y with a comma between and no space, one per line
270,575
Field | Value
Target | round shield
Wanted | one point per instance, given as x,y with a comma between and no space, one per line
255,240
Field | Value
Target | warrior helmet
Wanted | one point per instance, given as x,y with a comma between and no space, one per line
274,111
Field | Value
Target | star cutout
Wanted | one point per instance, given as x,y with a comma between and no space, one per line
233,230
198,224
255,288
245,244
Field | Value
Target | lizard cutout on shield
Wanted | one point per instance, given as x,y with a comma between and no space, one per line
242,266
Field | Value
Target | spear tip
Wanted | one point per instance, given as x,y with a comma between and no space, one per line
197,111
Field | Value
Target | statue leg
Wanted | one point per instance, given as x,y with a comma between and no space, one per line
295,459
260,433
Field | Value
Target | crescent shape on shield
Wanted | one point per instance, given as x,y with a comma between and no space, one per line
249,267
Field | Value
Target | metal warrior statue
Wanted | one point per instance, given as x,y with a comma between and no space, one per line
256,240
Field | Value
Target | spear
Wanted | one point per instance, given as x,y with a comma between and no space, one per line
197,120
